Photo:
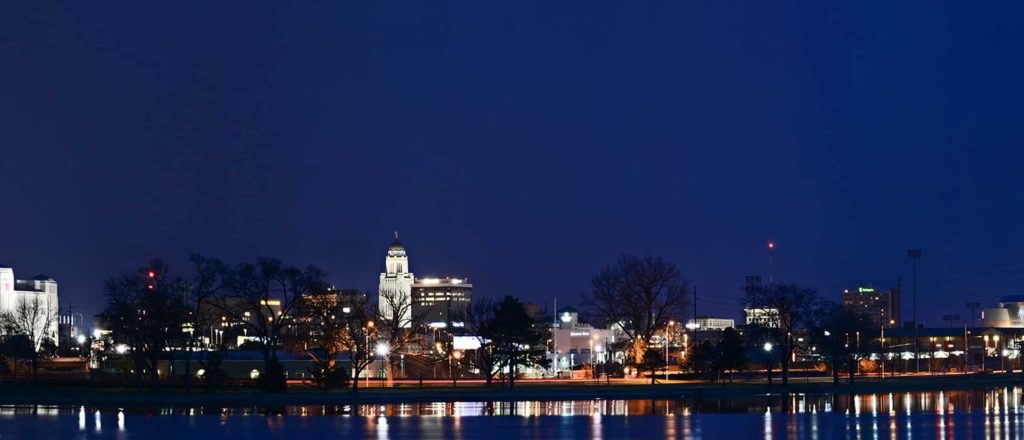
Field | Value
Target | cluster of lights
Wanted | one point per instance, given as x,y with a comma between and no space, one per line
439,281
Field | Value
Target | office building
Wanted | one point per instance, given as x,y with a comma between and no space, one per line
881,306
576,343
440,301
710,324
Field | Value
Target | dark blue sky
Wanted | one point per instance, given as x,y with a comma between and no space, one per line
521,144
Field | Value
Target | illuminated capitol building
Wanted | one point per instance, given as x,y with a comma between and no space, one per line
39,291
435,301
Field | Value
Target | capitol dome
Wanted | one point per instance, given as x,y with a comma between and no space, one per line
396,245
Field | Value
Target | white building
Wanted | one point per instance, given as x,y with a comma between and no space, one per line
576,343
41,290
711,324
1009,314
762,317
396,284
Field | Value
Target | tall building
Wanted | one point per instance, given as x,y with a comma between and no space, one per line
882,306
439,300
41,290
396,285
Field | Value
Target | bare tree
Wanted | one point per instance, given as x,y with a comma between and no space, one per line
479,320
837,331
358,334
640,296
146,311
261,297
788,307
321,331
208,282
397,326
32,318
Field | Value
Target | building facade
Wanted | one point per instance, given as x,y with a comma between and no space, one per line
70,327
711,324
575,343
40,291
395,293
881,306
438,301
1009,314
762,317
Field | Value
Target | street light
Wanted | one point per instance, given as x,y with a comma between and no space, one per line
668,333
768,358
383,349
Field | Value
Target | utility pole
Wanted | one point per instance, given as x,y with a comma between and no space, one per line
972,306
696,324
695,312
914,255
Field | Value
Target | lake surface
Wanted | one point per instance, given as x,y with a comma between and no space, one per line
994,413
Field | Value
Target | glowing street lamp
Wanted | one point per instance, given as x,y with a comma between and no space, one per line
383,349
768,347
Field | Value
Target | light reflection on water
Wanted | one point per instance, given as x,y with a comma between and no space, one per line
994,413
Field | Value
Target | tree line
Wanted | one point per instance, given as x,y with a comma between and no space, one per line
157,314
154,314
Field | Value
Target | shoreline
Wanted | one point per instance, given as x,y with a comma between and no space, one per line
62,395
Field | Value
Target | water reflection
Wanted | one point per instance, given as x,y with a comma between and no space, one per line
997,404
994,413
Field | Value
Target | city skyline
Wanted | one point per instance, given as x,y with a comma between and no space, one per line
711,304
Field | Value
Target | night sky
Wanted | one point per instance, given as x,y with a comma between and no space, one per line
521,144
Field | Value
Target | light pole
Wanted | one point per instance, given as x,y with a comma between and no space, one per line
768,357
668,334
915,254
383,349
881,351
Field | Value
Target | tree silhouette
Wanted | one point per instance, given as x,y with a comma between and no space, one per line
795,306
32,318
145,311
640,296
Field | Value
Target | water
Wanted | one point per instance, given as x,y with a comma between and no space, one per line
994,413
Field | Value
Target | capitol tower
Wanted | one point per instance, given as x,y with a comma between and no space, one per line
396,285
